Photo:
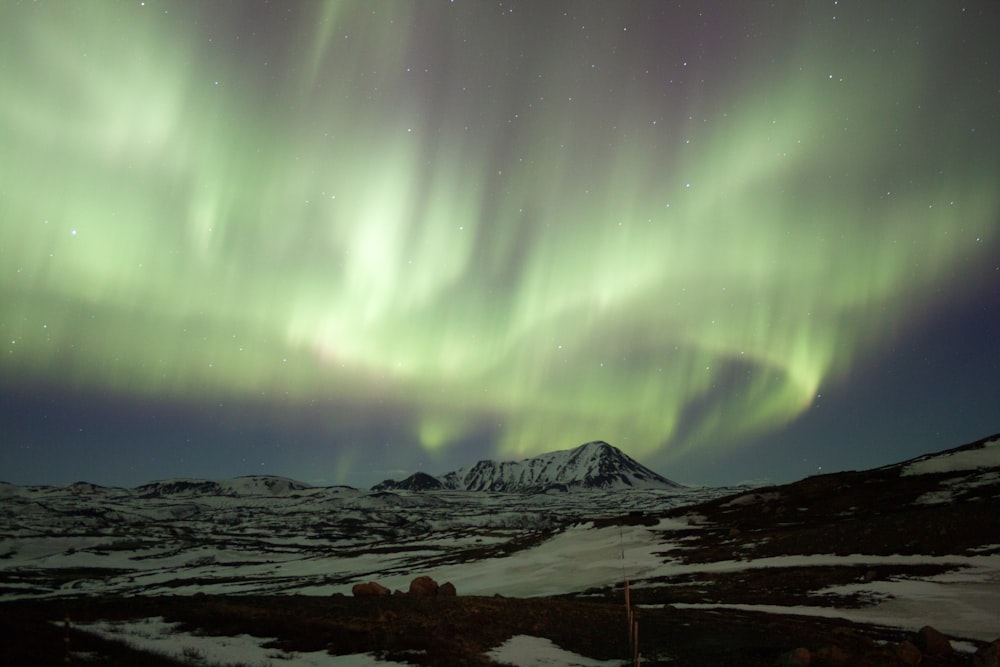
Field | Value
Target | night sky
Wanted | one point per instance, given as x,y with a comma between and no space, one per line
344,241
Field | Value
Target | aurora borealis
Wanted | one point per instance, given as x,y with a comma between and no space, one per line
338,240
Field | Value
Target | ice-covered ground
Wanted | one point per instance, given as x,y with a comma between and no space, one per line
313,541
322,541
154,635
986,456
528,651
962,603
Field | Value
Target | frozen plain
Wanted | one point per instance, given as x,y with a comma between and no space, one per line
265,536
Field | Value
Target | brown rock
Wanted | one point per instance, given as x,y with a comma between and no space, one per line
932,642
987,656
909,654
447,588
834,656
371,589
423,586
799,657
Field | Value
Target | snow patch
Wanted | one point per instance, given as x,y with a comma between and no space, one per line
157,636
958,485
528,651
987,456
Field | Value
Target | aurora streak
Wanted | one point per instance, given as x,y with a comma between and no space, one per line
524,226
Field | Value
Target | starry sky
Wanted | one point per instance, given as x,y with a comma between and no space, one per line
344,241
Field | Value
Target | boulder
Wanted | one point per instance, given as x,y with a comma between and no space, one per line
423,586
932,642
834,656
988,656
908,653
799,657
371,589
448,589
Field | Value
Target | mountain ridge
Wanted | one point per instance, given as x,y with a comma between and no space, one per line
592,465
982,453
876,553
249,485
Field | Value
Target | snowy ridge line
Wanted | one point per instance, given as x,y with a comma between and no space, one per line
593,465
977,456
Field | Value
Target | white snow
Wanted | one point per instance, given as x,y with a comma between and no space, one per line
286,544
577,559
905,615
583,464
962,483
156,635
964,602
528,651
987,456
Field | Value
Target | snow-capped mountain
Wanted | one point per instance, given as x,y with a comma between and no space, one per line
594,465
904,546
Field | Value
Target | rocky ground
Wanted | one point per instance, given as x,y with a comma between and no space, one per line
824,542
453,631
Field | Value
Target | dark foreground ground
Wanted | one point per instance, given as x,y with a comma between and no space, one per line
454,631
951,511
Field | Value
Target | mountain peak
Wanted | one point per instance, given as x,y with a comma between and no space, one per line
592,465
594,448
418,481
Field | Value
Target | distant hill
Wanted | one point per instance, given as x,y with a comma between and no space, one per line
253,485
936,504
594,465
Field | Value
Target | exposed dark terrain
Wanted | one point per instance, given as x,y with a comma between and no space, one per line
939,511
455,631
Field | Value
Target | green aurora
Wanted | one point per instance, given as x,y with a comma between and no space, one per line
548,234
